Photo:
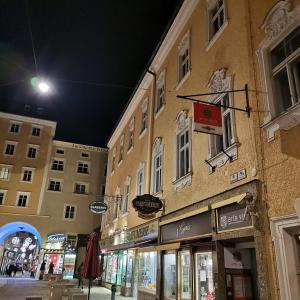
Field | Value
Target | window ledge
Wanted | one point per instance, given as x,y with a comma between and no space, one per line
52,191
183,80
59,171
125,214
212,41
284,121
143,133
182,181
221,158
85,174
80,194
23,181
69,219
159,111
129,150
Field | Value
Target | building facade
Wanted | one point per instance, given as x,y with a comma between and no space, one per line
46,187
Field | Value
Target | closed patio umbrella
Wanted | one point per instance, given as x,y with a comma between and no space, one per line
91,260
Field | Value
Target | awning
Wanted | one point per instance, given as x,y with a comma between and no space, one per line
234,199
186,215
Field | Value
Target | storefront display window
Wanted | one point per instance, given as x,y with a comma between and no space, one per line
69,265
129,271
204,276
58,261
169,275
111,268
121,267
185,274
147,271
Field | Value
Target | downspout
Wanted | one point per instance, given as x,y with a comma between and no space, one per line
150,133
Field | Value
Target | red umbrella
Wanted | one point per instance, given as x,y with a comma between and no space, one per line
91,260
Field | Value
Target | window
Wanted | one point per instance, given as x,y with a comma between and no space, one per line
85,154
126,195
157,166
147,271
80,188
32,151
82,168
54,185
58,165
121,153
60,151
160,92
102,189
184,57
285,64
27,175
36,131
130,134
113,161
218,143
2,196
14,128
70,212
105,170
4,172
216,16
22,199
10,148
140,179
144,116
116,207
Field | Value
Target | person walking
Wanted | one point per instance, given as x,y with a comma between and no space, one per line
79,275
42,270
51,268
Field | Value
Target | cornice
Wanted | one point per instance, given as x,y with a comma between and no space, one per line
78,146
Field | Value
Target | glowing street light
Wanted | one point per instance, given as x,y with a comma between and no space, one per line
41,85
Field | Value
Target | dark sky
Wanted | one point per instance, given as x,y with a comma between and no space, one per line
78,43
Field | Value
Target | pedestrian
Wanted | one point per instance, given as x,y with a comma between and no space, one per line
10,269
51,268
79,275
42,269
15,269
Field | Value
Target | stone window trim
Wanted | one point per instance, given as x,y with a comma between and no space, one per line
21,196
184,45
85,155
126,196
3,196
78,188
116,208
219,82
32,151
213,37
160,94
5,172
140,173
10,148
280,21
183,124
36,130
24,176
158,149
69,207
55,185
15,127
83,167
58,164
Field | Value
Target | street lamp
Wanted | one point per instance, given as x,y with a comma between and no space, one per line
42,86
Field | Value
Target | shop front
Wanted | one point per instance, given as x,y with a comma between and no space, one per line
126,261
212,251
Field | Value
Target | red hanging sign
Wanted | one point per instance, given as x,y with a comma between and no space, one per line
207,118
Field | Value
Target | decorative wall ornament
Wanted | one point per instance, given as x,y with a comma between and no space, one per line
278,18
157,145
182,120
218,81
131,124
145,105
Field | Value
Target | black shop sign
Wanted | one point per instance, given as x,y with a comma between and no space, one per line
234,216
147,204
188,228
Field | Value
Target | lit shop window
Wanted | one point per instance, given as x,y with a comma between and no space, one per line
147,271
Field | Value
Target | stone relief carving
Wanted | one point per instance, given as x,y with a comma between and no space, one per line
279,17
218,82
182,120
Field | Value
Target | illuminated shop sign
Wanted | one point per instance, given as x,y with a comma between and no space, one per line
58,237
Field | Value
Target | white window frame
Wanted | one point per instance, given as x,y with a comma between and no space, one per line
86,189
104,217
25,169
12,124
58,160
84,163
130,135
183,124
65,210
144,118
8,171
4,192
55,180
160,96
183,47
6,145
22,194
36,147
126,195
140,184
157,151
289,19
33,128
121,150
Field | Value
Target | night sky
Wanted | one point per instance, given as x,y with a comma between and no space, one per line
94,52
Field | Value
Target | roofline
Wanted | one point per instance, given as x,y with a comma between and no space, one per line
79,146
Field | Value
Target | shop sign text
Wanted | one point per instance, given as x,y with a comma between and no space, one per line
98,207
147,204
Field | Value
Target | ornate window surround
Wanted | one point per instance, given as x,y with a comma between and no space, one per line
219,82
126,183
160,83
278,23
183,122
158,149
141,168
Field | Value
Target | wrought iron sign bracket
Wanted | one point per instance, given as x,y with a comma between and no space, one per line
247,109
213,168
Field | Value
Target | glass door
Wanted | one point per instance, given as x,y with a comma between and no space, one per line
204,276
169,276
184,275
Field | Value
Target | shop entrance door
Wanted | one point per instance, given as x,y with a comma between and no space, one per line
241,286
169,276
184,275
204,284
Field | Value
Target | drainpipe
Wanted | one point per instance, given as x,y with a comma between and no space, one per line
150,133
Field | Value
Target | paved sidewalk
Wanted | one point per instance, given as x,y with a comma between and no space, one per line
101,293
